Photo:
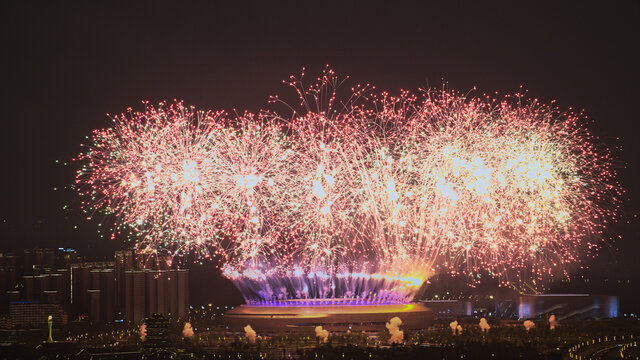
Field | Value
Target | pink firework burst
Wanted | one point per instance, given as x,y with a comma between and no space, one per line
358,197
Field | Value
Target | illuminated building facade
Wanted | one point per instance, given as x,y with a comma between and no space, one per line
29,314
568,306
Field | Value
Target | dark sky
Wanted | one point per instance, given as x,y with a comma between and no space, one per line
65,67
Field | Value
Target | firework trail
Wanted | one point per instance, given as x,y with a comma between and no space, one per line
360,197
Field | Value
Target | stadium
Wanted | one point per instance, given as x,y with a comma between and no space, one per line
335,315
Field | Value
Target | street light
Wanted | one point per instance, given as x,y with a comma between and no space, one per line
50,321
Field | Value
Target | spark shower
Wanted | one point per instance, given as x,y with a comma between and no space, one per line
359,198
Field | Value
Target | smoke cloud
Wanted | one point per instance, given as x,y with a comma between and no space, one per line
322,334
528,325
553,322
397,335
455,328
484,325
187,331
143,332
250,334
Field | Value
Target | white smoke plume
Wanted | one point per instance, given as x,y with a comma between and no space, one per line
484,325
553,322
322,334
187,331
397,335
528,325
143,332
250,334
454,327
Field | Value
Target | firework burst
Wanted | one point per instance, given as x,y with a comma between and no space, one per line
362,198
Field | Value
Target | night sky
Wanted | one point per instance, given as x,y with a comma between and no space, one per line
65,67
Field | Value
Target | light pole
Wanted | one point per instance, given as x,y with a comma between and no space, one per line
50,321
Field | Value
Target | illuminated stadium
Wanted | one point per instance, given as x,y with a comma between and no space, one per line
342,302
332,314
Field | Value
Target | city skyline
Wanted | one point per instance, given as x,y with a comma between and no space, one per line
127,288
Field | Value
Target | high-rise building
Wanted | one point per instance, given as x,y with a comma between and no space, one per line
7,283
85,276
30,291
7,278
29,259
35,260
42,284
62,283
8,260
162,279
156,291
80,283
135,308
102,280
128,295
95,306
48,258
183,292
152,292
172,292
139,292
98,290
123,262
107,288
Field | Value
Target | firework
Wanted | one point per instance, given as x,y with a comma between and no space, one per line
146,171
479,186
362,198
